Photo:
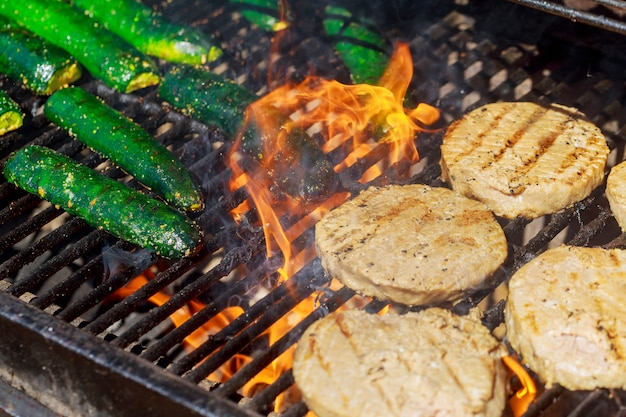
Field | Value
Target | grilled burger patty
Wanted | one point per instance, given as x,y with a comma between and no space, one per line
431,363
411,244
616,193
522,159
566,316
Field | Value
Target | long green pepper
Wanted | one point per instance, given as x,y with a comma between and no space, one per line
125,143
103,202
105,55
36,63
150,32
11,117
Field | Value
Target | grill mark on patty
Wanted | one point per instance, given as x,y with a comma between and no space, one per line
355,236
544,144
562,150
494,122
345,331
515,137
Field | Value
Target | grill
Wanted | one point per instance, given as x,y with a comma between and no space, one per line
605,14
71,348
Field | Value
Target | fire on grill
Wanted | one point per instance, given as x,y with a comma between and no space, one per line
214,333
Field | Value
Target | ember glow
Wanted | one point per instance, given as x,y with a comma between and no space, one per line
200,335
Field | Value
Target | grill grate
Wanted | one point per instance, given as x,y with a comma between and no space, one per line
604,14
464,56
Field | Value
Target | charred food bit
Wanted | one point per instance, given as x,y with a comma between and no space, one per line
105,55
523,159
297,166
437,246
11,116
566,317
125,143
358,43
33,61
428,364
103,202
150,32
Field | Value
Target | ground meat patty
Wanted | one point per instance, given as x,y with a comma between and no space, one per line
431,363
566,316
616,193
522,159
411,244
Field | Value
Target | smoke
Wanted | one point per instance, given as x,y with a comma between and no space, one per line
118,260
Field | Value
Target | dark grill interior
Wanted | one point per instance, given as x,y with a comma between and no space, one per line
126,353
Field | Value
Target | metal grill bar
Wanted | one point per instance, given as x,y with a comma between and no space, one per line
293,295
121,378
54,238
186,294
24,229
238,289
592,19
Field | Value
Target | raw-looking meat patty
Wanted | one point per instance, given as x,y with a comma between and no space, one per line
411,244
522,159
426,364
566,316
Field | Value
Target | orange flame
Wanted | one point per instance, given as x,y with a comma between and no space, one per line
272,160
353,120
521,399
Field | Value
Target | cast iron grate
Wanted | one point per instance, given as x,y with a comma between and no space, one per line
464,56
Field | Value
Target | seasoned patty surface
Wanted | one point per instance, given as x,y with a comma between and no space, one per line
522,159
616,193
566,316
431,363
411,244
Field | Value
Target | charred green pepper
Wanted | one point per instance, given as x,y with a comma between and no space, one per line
105,55
151,32
211,99
103,202
300,169
125,143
